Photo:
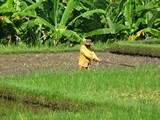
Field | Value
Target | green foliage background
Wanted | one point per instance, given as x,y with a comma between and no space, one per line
50,22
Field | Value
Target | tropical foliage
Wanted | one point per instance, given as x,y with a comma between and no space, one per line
49,22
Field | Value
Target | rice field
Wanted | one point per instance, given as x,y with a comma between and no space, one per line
111,94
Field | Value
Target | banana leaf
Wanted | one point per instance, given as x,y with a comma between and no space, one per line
29,10
100,32
87,14
140,21
7,7
110,23
17,5
67,13
7,20
89,3
24,14
42,21
119,28
30,1
156,15
120,10
152,31
23,5
157,22
23,26
149,16
31,24
128,13
54,15
33,6
146,7
72,36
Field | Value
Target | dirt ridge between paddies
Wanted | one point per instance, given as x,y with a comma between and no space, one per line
42,102
135,49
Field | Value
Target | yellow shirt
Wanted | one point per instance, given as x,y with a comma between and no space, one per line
86,56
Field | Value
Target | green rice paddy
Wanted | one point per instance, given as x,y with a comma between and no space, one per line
117,93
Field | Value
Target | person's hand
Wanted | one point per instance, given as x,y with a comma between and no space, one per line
100,60
97,60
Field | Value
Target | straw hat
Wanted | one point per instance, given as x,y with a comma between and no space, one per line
88,42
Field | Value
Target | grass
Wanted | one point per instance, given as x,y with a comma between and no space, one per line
150,41
136,48
150,47
46,49
19,112
95,114
108,94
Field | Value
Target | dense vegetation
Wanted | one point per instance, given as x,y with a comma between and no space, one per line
50,22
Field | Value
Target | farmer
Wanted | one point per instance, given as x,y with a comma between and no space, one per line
86,55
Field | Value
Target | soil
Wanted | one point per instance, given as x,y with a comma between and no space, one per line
16,64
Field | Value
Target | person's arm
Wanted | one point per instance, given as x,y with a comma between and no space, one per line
86,52
95,58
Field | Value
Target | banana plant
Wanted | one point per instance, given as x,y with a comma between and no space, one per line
59,27
6,10
110,20
14,15
74,20
62,24
131,17
147,14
